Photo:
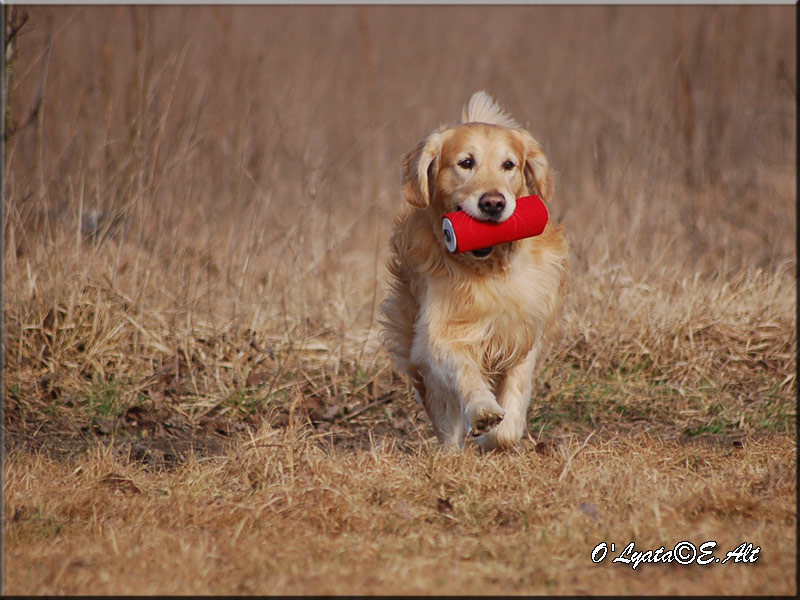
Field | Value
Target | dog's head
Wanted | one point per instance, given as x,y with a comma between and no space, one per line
480,166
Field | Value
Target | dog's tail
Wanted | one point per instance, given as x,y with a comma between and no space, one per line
482,108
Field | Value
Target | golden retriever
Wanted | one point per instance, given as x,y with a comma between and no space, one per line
467,329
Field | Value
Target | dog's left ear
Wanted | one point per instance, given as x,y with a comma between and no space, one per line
420,167
538,176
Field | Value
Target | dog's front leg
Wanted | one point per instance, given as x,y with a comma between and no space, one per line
514,396
461,398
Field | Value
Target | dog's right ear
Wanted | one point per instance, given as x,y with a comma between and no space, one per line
538,176
420,167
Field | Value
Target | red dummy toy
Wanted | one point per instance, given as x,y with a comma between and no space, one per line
462,233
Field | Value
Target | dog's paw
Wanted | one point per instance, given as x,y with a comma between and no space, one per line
503,437
484,417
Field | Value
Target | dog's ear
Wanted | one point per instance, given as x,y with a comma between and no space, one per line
420,167
538,176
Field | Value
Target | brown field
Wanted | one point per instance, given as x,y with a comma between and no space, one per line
196,209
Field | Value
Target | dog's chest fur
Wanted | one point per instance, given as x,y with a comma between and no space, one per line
499,317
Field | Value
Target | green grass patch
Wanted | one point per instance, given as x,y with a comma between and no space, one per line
566,398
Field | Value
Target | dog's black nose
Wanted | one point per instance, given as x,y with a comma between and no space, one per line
492,203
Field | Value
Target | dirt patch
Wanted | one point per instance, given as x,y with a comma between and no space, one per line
157,435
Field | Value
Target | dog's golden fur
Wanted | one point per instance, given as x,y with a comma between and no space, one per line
467,329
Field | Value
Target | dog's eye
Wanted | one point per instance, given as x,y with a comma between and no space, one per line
466,163
508,165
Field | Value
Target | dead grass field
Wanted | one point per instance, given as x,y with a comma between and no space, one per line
195,221
283,515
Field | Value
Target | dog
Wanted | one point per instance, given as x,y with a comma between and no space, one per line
468,329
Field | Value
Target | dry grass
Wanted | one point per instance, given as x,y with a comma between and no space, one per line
284,515
164,306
